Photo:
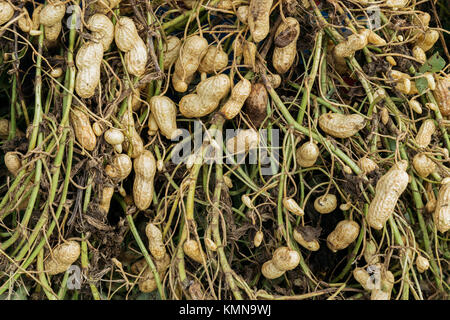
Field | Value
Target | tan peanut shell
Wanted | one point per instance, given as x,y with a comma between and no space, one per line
431,205
228,182
259,19
325,204
256,104
345,206
419,54
25,23
292,206
145,169
285,259
398,75
386,285
98,128
244,141
52,13
196,292
427,40
6,12
105,200
136,99
423,165
88,61
388,189
102,29
104,6
391,61
228,4
192,249
13,163
431,199
367,165
396,4
211,245
363,278
415,105
164,112
421,20
257,240
441,215
375,39
404,85
36,16
307,154
340,125
127,40
56,73
432,106
133,138
209,93
83,130
274,80
171,51
125,34
442,94
120,167
114,136
152,125
214,60
51,33
353,43
147,281
283,58
431,84
343,235
155,242
242,14
249,52
62,257
238,46
270,271
312,245
4,128
191,53
235,102
136,58
370,252
426,130
422,264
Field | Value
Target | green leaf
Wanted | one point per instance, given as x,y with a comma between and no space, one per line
434,64
421,84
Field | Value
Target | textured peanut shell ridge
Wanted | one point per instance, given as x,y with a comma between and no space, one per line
283,58
388,190
441,215
343,235
341,126
259,19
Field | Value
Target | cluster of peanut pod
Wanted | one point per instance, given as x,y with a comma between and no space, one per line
362,179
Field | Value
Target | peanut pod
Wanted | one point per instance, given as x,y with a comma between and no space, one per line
387,191
164,112
209,93
283,58
341,126
145,169
191,53
239,94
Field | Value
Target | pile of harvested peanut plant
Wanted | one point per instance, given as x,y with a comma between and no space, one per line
240,149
